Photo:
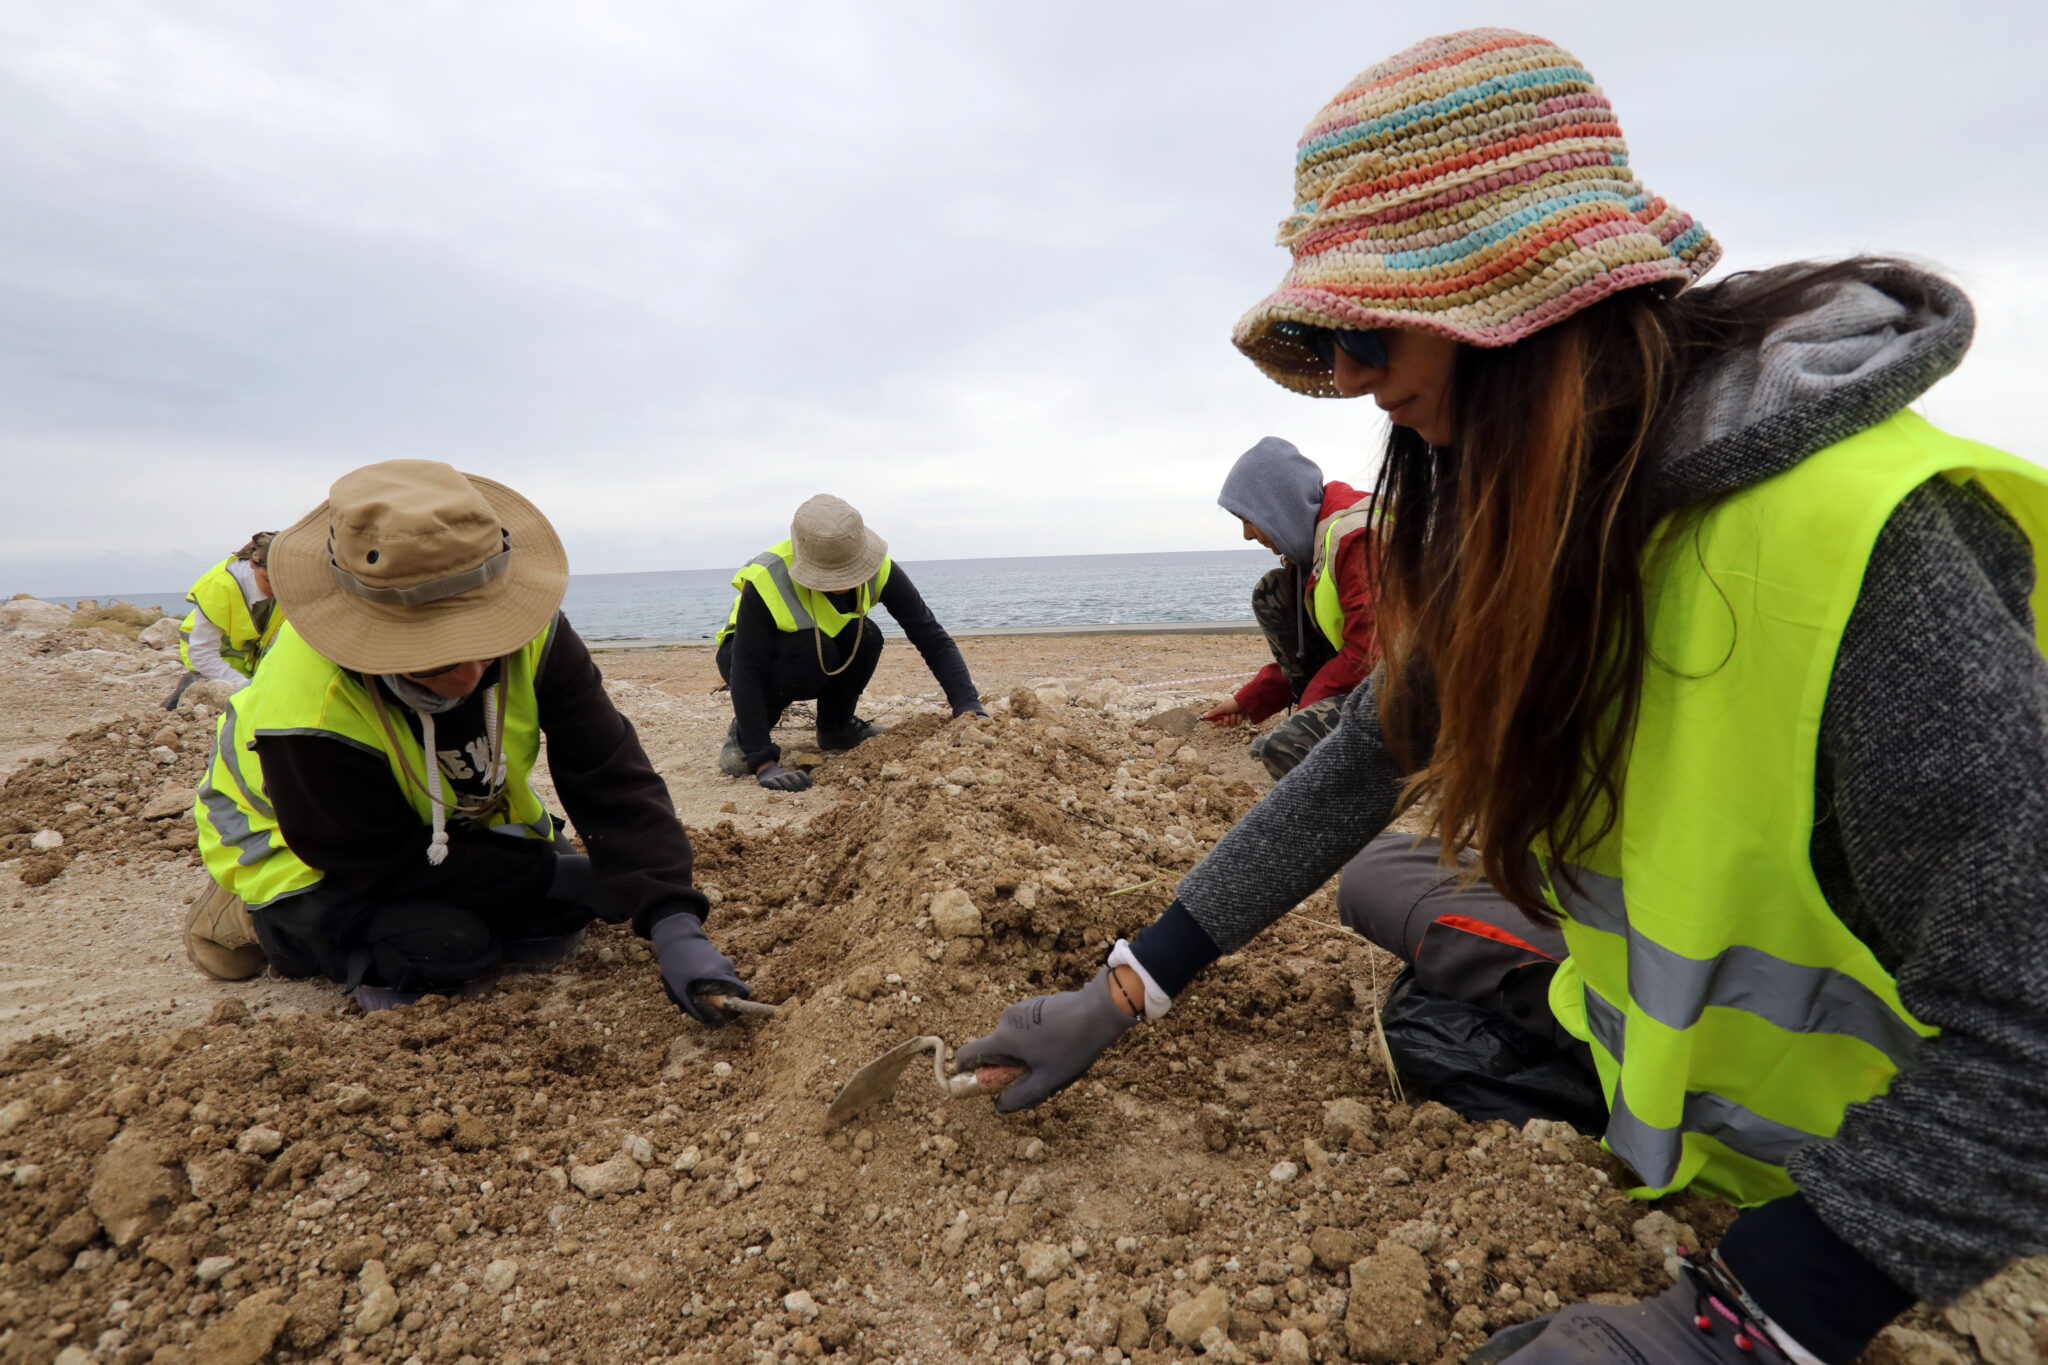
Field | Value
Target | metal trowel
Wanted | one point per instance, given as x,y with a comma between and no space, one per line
877,1080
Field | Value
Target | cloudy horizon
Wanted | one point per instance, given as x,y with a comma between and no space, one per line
668,270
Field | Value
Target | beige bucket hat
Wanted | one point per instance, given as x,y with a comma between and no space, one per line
410,565
834,548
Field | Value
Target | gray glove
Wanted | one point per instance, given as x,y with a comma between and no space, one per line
1055,1037
689,964
777,778
1697,1321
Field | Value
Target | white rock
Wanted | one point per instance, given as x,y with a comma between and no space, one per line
1283,1173
343,1182
1054,695
160,634
260,1141
799,1303
1043,1262
15,1113
639,1148
164,754
171,801
1292,1348
380,1306
28,611
1187,1321
962,776
499,1275
620,1175
212,1268
43,840
954,916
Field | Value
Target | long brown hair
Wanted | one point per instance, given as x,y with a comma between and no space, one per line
1511,574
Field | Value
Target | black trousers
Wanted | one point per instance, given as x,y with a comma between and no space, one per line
408,945
796,675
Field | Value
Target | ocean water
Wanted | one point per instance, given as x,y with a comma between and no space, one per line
965,594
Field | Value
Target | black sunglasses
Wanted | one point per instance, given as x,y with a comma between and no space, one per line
1366,347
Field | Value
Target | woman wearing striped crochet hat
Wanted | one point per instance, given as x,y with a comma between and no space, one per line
1718,662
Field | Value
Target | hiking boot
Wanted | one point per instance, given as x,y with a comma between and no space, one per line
732,760
838,738
220,938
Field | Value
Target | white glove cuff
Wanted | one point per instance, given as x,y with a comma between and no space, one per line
1157,1002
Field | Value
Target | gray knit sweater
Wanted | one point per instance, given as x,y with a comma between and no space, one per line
1931,840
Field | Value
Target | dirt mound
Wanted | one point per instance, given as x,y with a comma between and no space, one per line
566,1169
120,787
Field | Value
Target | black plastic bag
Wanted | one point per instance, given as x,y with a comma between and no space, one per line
1469,1058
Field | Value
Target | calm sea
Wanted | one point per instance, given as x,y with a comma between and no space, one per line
965,594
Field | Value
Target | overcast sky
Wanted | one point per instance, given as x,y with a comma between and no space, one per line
669,268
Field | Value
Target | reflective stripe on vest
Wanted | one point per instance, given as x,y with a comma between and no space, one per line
1330,532
1733,1016
217,596
299,692
794,606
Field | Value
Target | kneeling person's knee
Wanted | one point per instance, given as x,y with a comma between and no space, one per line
417,947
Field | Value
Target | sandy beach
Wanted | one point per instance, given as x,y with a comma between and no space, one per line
566,1169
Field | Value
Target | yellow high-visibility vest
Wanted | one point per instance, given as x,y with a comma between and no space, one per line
794,606
218,597
301,692
1732,1015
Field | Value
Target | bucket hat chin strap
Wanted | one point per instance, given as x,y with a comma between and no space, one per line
434,589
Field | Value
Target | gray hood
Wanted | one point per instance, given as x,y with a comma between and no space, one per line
1279,490
1858,356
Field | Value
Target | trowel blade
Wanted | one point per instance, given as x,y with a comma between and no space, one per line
875,1081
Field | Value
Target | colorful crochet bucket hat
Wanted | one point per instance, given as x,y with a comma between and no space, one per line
1476,185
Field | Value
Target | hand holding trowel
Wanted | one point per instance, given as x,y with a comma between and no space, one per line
1041,1046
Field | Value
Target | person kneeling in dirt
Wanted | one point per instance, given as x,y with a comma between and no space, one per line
1315,610
233,620
787,639
1720,659
369,814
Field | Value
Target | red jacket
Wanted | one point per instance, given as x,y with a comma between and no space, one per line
1268,694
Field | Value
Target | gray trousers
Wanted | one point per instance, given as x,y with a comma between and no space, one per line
1300,650
1466,942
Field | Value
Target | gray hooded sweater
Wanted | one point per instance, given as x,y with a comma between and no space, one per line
1279,490
1931,834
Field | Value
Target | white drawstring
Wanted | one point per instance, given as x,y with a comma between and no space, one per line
437,851
494,769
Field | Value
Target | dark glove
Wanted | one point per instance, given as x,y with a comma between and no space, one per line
971,708
1056,1037
576,881
689,964
1665,1329
777,778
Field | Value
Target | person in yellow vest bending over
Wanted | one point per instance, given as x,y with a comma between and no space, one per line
369,815
1721,663
233,619
799,631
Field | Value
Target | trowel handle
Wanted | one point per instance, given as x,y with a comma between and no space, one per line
738,1005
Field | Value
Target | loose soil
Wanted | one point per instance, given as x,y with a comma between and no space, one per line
566,1169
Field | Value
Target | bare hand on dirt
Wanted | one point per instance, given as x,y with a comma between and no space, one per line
1227,714
693,971
1056,1038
